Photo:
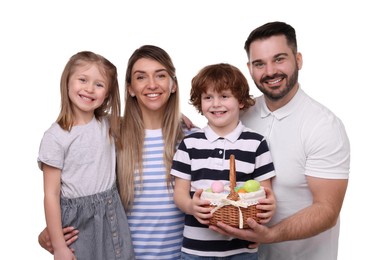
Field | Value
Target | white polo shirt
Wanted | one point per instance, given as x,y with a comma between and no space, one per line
305,138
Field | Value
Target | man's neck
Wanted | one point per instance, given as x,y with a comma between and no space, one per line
276,104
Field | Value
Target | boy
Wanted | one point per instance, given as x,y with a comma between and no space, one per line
219,92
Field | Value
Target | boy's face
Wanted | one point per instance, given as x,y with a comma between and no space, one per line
222,110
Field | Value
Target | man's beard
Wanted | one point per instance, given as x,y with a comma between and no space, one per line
278,95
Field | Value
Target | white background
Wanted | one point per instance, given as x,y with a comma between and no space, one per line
345,47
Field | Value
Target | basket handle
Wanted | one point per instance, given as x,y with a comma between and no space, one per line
233,195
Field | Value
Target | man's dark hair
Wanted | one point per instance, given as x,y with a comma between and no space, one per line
273,29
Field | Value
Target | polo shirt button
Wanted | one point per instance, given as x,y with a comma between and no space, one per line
220,151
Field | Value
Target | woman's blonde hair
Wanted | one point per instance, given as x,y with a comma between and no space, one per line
130,157
111,105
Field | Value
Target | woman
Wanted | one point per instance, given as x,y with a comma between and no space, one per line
150,133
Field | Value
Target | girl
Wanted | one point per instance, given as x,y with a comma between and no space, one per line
77,156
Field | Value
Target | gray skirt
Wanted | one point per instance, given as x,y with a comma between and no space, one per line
102,223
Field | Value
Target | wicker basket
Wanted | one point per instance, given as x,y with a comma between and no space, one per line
230,214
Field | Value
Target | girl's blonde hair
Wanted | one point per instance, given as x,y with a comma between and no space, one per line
110,106
130,157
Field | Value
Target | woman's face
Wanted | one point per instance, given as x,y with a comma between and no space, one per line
151,84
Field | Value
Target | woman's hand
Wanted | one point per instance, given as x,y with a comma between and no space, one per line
70,234
187,122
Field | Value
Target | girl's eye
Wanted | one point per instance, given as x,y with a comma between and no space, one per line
82,80
100,85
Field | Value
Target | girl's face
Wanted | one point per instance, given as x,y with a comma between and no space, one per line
151,84
87,89
221,109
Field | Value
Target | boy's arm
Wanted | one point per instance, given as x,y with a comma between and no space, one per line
195,206
267,205
52,189
181,195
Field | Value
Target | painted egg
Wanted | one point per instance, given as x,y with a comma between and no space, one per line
217,187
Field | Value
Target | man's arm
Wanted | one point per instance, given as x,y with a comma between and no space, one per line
328,197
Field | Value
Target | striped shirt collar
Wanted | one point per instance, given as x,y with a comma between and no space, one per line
232,137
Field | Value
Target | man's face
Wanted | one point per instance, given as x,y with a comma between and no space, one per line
274,67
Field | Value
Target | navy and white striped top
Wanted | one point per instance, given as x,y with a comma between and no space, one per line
203,157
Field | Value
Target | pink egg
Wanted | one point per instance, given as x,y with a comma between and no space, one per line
217,186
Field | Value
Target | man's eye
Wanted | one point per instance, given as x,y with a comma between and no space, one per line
259,65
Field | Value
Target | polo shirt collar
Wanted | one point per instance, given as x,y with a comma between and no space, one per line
232,137
286,110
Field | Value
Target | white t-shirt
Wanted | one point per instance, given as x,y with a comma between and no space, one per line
305,138
85,155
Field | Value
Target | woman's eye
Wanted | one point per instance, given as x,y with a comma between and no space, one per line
161,76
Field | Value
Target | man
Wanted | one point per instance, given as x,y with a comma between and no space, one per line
310,149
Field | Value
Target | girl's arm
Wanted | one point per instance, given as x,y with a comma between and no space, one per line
52,189
195,206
